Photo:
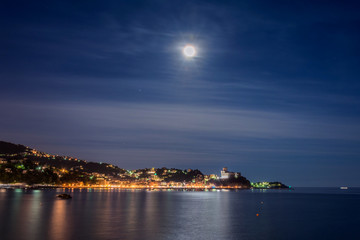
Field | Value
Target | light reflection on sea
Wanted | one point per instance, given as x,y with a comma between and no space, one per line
325,213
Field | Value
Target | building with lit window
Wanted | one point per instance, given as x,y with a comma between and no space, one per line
225,174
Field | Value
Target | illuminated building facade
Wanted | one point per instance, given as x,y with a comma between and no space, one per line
225,174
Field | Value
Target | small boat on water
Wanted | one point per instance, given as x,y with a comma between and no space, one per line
343,188
64,196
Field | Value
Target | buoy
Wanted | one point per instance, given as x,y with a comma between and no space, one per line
257,214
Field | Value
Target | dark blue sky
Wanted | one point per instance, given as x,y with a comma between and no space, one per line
273,92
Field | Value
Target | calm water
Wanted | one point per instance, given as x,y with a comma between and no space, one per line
317,213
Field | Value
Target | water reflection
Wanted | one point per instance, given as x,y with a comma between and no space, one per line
33,215
118,214
12,211
59,225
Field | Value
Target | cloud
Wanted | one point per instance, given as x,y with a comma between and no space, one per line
158,125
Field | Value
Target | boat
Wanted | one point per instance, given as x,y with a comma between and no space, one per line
343,188
64,196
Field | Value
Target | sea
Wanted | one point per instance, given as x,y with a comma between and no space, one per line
302,213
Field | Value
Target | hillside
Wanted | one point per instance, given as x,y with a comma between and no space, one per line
10,148
16,152
21,164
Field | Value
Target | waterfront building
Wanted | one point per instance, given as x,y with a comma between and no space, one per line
225,174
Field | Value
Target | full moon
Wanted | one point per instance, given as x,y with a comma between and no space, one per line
189,51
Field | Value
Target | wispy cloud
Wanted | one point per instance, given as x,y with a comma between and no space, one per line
201,129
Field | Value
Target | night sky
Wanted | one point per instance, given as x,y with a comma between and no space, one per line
273,91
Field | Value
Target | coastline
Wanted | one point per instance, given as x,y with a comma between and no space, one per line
39,187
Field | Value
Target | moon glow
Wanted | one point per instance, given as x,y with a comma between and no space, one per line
189,51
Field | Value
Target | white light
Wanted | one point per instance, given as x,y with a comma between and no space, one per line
189,51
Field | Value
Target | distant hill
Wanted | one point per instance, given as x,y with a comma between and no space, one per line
13,152
21,164
11,148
